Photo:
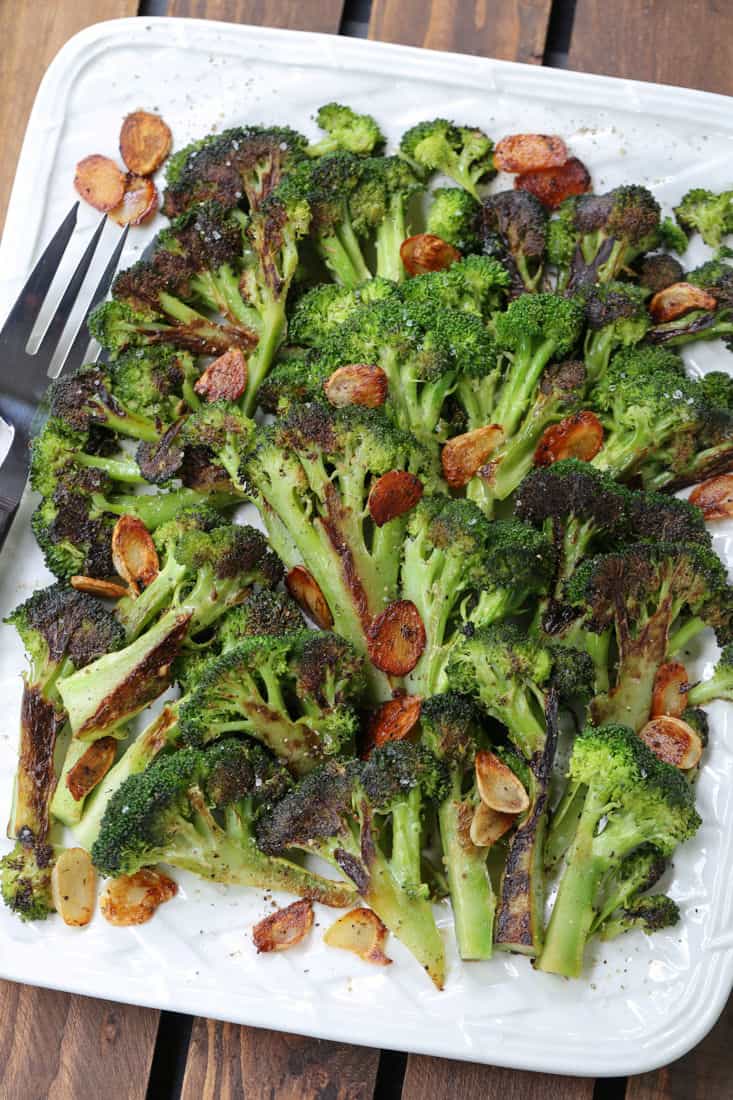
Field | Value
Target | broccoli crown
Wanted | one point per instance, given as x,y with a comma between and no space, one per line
221,166
196,518
573,673
453,216
150,816
148,381
649,914
470,345
117,326
398,767
656,517
322,310
476,284
619,304
633,215
640,870
502,653
218,425
698,719
659,271
348,130
297,379
82,396
383,182
352,439
572,490
519,219
319,807
59,450
562,235
450,726
715,276
327,669
535,318
25,881
208,236
263,612
708,213
646,389
72,540
644,577
491,552
60,622
230,552
461,152
644,799
716,388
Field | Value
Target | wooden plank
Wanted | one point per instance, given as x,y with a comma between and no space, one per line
302,15
703,1074
31,34
440,1079
226,1062
511,29
654,40
62,1047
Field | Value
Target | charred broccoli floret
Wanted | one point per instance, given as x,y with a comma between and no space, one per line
198,810
640,801
25,880
514,228
617,317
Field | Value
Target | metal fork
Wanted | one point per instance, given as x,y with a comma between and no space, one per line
24,377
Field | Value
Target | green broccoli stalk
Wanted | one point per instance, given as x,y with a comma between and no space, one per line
513,229
707,213
198,810
510,675
450,729
293,692
61,630
462,153
345,130
329,814
631,798
460,568
641,592
453,216
717,686
400,780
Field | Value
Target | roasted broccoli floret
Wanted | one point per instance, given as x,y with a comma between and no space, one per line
25,880
714,321
378,208
450,727
639,800
84,397
659,271
514,229
294,692
595,238
238,167
263,612
649,914
347,130
641,592
462,153
198,810
635,874
617,317
324,309
311,474
222,429
453,216
61,630
707,213
460,568
477,284
329,813
60,451
155,382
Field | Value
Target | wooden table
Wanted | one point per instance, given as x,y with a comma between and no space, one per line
62,1047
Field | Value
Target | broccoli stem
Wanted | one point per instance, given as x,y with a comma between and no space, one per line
471,893
346,265
684,635
391,232
271,334
124,470
477,397
597,352
520,916
407,840
160,734
156,509
564,825
574,909
64,807
530,359
135,614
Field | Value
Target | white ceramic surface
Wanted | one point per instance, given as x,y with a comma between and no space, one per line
643,1002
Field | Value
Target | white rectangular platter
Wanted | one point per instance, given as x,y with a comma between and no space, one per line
643,1002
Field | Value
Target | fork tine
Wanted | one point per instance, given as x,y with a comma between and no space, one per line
57,323
75,354
22,317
